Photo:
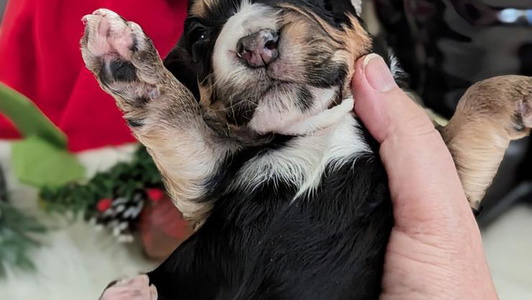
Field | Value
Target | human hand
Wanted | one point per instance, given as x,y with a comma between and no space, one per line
435,248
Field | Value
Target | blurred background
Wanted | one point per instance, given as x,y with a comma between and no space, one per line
81,204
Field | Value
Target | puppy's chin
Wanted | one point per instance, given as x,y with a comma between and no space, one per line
295,123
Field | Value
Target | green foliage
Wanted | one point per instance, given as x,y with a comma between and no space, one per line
122,180
41,158
16,242
28,119
40,163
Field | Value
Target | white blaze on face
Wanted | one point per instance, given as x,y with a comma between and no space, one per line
249,19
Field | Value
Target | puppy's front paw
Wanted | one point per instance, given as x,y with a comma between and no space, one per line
122,58
109,37
136,288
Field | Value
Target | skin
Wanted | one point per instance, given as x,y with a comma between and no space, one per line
435,250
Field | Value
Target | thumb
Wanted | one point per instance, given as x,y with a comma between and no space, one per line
423,181
383,107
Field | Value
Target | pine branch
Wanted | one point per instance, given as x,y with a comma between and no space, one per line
123,180
16,242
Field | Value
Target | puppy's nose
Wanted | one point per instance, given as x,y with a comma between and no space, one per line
259,49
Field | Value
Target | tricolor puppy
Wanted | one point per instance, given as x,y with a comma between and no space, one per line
251,125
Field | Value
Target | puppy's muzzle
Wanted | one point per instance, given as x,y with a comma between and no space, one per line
259,49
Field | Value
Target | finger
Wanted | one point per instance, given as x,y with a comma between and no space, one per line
423,181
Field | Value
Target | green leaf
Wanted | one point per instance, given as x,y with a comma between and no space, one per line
40,163
28,119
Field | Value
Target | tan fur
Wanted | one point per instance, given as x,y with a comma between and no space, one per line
358,43
297,30
490,114
350,43
200,7
184,148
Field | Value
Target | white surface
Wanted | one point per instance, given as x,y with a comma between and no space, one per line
508,245
76,261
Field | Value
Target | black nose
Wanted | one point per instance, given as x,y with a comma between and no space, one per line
259,49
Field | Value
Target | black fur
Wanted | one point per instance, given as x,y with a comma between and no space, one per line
241,113
260,245
325,75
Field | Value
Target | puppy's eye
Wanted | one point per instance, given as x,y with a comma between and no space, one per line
198,41
198,35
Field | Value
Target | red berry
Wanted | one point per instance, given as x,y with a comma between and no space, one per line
155,194
104,204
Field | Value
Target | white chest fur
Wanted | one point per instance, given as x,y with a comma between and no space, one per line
303,161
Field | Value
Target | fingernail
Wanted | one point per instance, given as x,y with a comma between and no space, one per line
378,73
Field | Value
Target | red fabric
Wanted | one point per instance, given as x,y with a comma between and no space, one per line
40,57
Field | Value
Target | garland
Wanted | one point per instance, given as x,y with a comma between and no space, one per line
113,199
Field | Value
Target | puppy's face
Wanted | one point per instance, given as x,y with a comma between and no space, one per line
268,64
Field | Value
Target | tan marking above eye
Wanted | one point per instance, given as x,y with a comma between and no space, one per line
199,7
351,42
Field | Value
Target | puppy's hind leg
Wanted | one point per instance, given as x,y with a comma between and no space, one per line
490,114
161,112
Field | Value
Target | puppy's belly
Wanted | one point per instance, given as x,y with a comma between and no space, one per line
260,244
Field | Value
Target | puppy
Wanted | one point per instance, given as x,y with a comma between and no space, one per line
251,125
